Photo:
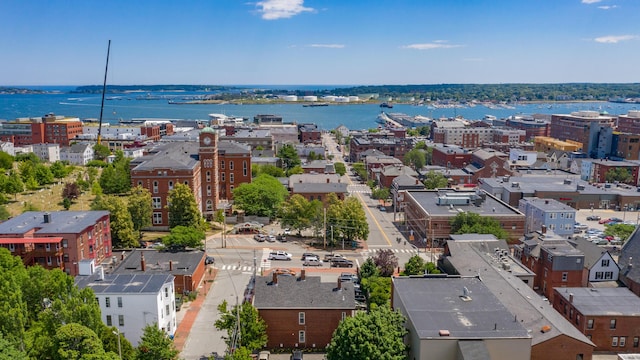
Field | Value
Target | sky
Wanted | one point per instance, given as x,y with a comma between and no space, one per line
318,42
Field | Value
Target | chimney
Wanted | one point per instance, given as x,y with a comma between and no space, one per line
417,181
101,273
303,274
339,284
544,229
170,265
571,298
143,265
275,278
47,218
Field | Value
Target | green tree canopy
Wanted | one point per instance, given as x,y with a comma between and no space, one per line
139,206
473,223
299,213
101,152
116,177
155,345
267,169
6,160
183,209
123,234
347,218
416,159
183,237
378,334
417,266
434,180
340,168
253,329
77,342
619,174
262,197
289,157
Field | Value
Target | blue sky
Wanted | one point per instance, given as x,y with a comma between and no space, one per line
319,42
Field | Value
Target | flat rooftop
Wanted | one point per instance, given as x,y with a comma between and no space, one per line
490,206
602,301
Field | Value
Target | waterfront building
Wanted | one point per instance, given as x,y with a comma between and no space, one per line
582,127
547,144
629,122
595,170
49,129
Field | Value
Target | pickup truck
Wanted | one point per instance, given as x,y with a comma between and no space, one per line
331,257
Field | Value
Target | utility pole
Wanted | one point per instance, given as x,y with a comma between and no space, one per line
324,228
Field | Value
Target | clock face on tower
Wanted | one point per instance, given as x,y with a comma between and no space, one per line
207,140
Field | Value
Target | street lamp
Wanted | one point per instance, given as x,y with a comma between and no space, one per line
117,333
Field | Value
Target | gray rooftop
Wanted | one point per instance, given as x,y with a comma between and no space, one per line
61,222
602,301
491,206
321,188
434,304
391,170
251,133
292,293
233,147
313,178
158,262
522,301
629,257
592,252
124,283
548,204
404,181
175,156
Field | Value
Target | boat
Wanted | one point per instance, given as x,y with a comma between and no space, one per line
315,104
386,105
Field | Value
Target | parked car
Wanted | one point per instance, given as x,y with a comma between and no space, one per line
209,260
347,276
361,298
604,221
287,231
593,217
312,261
297,355
341,262
279,255
330,257
581,226
260,237
263,355
271,238
382,208
306,255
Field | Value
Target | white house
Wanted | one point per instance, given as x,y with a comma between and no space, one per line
598,261
7,147
47,152
130,302
77,154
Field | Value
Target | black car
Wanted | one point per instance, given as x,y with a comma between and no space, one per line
341,262
209,260
593,217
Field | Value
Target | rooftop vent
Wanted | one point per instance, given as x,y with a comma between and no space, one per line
444,333
545,329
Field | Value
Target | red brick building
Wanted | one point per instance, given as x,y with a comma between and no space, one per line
609,317
303,312
59,239
234,166
156,132
450,156
50,129
554,260
309,134
578,127
629,123
599,169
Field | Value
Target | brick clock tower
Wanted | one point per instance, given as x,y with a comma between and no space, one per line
208,154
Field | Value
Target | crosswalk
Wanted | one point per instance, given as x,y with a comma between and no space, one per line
235,267
372,251
363,189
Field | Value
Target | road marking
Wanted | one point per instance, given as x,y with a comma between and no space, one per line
371,214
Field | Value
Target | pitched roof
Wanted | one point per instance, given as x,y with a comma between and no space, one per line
59,222
319,188
292,293
592,252
629,255
175,155
233,147
124,283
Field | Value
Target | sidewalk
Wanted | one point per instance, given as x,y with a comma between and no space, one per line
190,310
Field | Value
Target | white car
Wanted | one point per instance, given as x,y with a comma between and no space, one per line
287,231
271,238
279,255
312,261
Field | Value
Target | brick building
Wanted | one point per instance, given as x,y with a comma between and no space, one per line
609,317
234,168
595,170
555,261
582,127
630,122
49,129
309,134
302,313
389,143
450,156
58,239
532,125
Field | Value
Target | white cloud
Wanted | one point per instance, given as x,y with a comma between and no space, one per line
330,46
590,1
281,9
612,39
437,44
607,7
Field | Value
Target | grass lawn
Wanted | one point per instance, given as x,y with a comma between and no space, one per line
48,198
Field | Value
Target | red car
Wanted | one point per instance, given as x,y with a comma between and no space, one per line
604,221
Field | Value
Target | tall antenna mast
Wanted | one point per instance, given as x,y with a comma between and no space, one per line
104,90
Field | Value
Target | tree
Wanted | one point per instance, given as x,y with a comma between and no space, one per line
59,170
299,213
155,345
183,236
360,170
262,197
289,157
77,342
295,170
43,175
183,209
71,191
101,152
619,174
139,206
9,352
369,269
434,180
116,177
27,170
4,213
340,168
386,261
415,158
123,234
253,329
347,218
417,266
380,193
473,223
268,169
6,160
378,334
378,290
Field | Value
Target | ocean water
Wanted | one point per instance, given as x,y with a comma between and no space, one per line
127,107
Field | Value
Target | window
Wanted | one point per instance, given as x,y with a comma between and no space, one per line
545,272
209,205
156,202
155,187
605,262
565,276
590,324
121,320
109,322
623,341
553,215
244,168
577,319
119,301
230,165
571,313
301,336
301,319
612,324
599,275
614,341
157,218
231,177
636,341
107,302
170,185
222,177
608,275
208,190
139,183
208,176
222,164
166,309
166,292
344,315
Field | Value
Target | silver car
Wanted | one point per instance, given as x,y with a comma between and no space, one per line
279,255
